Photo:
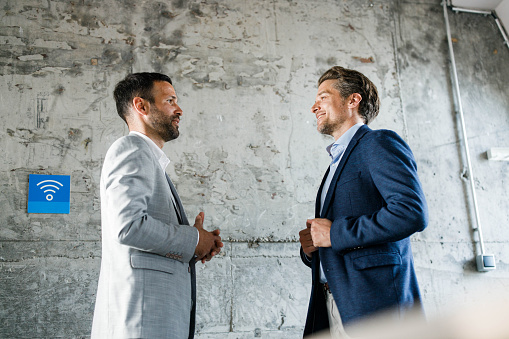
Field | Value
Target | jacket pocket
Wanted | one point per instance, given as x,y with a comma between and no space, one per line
152,262
377,260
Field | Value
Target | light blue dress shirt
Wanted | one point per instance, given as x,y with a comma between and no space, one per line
336,151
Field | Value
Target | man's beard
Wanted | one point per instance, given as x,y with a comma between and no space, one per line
163,124
327,127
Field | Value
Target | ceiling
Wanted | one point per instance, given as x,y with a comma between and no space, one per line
501,8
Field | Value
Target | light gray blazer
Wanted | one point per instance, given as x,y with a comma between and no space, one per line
145,282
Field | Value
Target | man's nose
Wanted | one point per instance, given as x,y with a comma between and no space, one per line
315,108
178,111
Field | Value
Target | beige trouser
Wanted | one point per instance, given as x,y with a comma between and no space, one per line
336,326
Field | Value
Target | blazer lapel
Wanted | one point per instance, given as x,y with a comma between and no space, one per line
358,135
319,194
179,209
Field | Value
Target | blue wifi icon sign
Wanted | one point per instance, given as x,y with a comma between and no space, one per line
49,193
49,186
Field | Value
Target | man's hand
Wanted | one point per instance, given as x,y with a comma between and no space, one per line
306,241
209,243
320,231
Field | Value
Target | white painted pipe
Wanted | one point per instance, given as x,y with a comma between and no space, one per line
463,128
501,28
468,10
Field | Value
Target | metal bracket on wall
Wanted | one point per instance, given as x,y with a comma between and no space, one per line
498,153
485,262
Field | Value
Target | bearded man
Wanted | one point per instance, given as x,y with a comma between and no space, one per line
147,283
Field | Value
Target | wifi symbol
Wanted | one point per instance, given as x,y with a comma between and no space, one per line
49,193
49,188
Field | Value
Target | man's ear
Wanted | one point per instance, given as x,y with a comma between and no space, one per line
354,100
141,106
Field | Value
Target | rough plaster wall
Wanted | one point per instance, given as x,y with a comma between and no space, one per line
249,154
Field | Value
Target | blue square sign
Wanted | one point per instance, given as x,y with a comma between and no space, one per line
49,193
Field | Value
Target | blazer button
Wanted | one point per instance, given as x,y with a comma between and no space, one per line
168,255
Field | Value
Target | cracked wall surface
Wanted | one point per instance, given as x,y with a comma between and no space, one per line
249,155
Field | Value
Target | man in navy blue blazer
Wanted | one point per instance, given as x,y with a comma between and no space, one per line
369,203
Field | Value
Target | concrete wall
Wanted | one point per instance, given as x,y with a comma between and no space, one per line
249,155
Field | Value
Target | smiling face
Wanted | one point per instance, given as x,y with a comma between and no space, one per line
334,114
164,114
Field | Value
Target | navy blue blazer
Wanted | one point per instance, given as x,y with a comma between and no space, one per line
375,202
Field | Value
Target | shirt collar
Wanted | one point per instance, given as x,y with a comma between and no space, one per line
163,160
338,147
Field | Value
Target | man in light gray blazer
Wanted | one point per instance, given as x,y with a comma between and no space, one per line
147,286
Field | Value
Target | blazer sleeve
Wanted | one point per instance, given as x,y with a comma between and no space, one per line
128,185
392,169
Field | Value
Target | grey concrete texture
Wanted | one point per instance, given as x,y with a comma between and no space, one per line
249,155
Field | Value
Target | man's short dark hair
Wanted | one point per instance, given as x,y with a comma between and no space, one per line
350,81
136,85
